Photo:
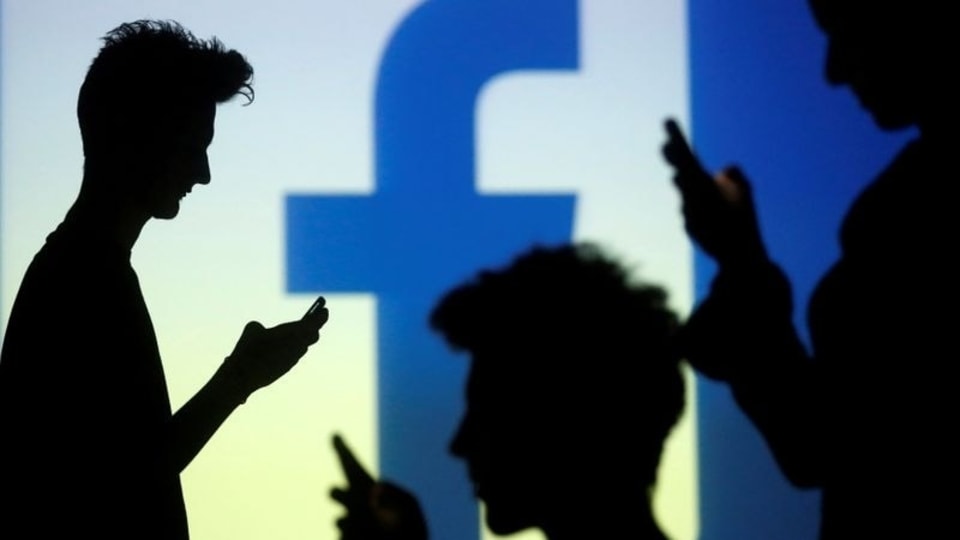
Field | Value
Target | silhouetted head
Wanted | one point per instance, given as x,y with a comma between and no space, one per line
573,383
895,55
146,110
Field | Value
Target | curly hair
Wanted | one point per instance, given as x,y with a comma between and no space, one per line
579,330
147,70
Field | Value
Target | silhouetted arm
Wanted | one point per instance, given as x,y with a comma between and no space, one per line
200,417
376,510
260,357
743,333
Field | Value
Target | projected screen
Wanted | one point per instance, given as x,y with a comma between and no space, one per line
371,168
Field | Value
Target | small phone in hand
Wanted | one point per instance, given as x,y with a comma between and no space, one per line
315,308
357,475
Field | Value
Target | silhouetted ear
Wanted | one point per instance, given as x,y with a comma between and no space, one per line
111,123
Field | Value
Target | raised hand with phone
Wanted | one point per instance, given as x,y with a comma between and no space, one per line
263,355
260,357
718,211
376,510
720,217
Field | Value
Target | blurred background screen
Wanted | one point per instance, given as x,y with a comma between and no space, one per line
395,148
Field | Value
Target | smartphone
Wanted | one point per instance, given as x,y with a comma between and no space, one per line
677,150
357,476
317,305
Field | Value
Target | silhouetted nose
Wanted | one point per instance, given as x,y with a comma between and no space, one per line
460,444
840,63
203,170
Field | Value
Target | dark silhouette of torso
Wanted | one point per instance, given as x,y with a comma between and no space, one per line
81,355
879,328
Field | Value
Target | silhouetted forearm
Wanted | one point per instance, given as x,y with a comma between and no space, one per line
199,418
785,403
743,334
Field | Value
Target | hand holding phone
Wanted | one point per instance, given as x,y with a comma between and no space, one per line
690,174
357,476
376,510
317,312
718,211
263,355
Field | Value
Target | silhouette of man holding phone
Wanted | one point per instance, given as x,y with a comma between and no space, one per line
90,447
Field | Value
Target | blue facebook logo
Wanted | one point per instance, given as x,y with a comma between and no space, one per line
426,228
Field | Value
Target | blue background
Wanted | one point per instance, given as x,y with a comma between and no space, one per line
758,98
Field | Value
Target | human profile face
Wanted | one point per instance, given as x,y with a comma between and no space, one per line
877,55
507,446
180,162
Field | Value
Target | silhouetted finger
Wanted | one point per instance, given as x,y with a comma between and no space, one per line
251,328
737,184
308,335
318,314
357,475
296,334
342,496
318,318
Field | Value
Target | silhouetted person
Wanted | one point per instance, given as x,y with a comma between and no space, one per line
866,414
88,445
573,387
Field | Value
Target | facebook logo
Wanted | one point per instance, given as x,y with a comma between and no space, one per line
394,149
426,228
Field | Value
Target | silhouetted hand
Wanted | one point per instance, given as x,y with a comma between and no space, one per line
718,211
263,355
376,510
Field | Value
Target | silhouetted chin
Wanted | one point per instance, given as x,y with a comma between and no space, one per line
168,211
503,527
886,109
504,521
891,123
889,118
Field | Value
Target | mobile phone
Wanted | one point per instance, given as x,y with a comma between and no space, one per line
357,476
317,305
678,151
